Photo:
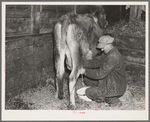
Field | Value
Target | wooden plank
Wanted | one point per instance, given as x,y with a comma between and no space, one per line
18,43
135,56
17,26
130,42
134,67
19,53
9,37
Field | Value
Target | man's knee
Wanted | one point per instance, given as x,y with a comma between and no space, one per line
90,82
94,93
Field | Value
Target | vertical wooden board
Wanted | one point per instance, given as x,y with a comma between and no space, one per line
35,18
133,12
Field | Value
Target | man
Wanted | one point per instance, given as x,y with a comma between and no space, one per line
105,75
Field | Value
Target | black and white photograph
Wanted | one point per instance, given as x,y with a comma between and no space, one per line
75,60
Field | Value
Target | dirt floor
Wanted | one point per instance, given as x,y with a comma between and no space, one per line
43,98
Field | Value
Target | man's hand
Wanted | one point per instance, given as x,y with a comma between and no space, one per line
89,55
82,71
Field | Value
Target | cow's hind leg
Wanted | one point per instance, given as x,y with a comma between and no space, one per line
60,75
75,55
59,61
72,82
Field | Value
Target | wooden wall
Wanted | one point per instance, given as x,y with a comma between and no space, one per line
28,52
29,61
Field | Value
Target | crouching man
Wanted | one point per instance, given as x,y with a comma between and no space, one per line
104,75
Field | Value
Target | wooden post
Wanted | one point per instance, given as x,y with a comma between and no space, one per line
75,11
120,12
35,18
135,12
139,12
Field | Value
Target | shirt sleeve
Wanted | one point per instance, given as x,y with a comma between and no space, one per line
93,63
105,68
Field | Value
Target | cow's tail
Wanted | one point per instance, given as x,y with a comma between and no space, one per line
59,60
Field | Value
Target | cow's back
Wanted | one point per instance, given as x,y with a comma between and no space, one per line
86,26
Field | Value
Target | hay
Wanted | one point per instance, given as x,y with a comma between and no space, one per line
43,98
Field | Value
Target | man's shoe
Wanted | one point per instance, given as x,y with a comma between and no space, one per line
114,102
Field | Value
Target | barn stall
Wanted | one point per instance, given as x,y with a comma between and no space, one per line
30,61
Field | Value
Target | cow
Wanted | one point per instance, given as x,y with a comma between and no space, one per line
76,37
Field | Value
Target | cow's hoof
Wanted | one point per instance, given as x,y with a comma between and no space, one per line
71,107
60,96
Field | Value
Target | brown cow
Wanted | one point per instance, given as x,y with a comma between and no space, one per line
76,37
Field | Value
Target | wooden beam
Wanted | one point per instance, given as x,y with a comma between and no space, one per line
35,18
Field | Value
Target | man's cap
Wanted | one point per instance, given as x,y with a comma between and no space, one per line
104,40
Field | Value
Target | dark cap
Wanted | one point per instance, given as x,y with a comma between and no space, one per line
104,40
